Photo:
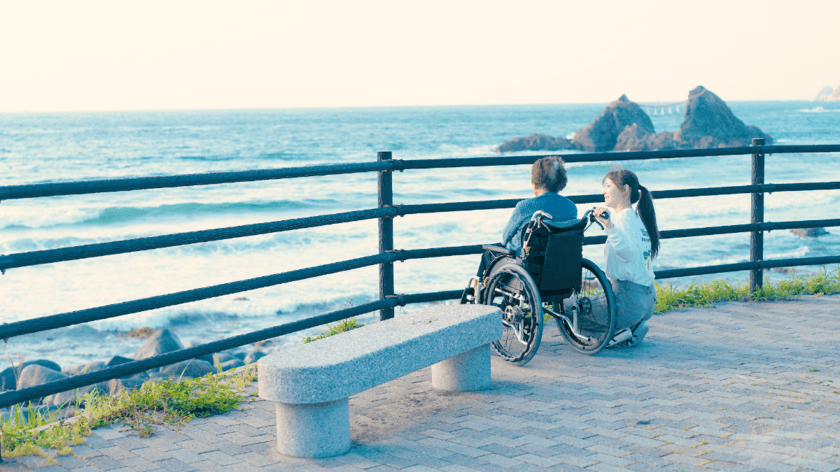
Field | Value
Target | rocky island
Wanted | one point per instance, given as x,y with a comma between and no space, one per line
624,126
828,95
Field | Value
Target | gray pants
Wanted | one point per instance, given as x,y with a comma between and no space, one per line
634,303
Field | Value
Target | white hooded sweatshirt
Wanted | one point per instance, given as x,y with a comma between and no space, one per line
628,249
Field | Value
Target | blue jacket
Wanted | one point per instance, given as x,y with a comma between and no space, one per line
560,208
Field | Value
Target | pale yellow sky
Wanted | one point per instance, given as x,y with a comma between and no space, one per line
160,55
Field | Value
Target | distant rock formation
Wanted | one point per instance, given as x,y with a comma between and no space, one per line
709,123
624,126
826,95
536,142
602,134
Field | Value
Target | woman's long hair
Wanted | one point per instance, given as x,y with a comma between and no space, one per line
644,208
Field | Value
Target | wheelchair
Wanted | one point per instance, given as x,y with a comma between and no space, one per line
549,277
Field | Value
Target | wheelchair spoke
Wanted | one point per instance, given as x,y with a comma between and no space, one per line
511,289
588,314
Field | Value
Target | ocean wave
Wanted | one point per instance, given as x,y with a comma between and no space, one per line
208,158
60,216
284,156
819,110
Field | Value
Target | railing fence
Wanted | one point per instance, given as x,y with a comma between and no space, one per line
385,211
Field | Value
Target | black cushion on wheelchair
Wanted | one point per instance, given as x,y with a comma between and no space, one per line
554,256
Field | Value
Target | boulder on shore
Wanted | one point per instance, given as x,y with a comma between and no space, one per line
254,357
809,232
602,134
189,369
537,142
7,376
161,342
36,374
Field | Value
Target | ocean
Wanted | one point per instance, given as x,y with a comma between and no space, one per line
53,147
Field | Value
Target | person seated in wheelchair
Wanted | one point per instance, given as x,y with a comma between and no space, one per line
548,178
632,243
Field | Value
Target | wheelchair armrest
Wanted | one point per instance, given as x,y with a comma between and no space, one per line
498,249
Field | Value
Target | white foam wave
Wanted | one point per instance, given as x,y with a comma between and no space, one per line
820,110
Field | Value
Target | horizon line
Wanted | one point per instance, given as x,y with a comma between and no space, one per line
217,109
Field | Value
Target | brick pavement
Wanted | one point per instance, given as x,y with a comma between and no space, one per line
741,386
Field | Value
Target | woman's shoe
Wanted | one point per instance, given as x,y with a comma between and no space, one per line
639,333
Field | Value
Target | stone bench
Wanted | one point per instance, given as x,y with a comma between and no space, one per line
311,383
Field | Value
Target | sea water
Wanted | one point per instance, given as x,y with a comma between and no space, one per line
45,147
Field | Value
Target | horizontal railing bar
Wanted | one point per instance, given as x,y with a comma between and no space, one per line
25,259
407,254
11,192
731,229
766,264
18,328
429,297
404,299
610,156
742,189
598,198
129,368
178,239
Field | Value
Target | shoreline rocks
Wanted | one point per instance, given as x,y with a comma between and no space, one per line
809,232
38,372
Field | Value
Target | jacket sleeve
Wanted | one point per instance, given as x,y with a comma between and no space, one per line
512,225
620,241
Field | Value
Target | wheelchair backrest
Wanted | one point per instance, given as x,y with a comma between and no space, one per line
552,254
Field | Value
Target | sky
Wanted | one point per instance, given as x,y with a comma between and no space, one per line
170,55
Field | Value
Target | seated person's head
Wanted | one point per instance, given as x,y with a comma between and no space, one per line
548,175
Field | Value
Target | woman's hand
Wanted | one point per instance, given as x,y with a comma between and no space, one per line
599,213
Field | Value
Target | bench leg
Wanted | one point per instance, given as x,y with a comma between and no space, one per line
314,430
465,372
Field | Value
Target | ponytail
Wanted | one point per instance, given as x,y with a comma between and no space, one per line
644,207
647,214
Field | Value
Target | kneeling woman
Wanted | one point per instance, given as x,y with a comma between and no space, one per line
632,242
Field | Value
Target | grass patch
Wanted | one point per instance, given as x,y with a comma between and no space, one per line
706,294
341,327
668,297
157,402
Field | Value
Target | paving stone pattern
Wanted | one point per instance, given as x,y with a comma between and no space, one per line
741,386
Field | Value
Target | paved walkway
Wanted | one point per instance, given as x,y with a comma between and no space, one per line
736,387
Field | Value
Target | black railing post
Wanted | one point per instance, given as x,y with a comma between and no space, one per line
386,235
757,216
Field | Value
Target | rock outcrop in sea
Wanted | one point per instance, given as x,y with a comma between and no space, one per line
537,142
828,95
602,134
624,126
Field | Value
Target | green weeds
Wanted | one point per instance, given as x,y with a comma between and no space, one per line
669,297
157,402
341,327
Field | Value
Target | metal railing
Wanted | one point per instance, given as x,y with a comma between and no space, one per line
386,210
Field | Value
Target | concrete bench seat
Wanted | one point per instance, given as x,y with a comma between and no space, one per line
311,383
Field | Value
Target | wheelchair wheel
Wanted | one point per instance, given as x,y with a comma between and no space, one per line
512,289
589,312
